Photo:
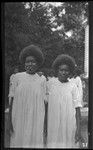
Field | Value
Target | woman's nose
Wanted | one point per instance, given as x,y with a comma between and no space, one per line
30,63
63,72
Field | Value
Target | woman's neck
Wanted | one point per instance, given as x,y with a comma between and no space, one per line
62,81
31,73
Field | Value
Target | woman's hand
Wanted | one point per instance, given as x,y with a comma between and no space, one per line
78,137
11,130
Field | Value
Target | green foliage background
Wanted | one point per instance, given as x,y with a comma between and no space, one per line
35,24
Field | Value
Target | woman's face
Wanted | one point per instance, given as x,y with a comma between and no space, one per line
31,65
63,73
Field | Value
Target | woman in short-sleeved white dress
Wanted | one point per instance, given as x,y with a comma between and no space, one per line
28,110
62,100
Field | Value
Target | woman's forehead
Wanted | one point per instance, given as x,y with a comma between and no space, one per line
30,58
64,66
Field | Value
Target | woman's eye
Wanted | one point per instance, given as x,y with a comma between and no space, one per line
27,61
30,62
33,63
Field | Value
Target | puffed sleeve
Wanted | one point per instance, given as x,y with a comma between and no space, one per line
12,86
79,85
76,97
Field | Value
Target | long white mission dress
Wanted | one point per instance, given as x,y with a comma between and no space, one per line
28,110
62,101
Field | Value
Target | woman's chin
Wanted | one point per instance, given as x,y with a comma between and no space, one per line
63,80
30,71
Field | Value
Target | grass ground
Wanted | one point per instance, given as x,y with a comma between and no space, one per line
84,128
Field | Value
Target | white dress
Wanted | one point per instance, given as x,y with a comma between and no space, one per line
62,101
28,110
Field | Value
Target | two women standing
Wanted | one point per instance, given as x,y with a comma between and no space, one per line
29,93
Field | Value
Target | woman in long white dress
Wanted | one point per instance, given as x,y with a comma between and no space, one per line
29,93
63,107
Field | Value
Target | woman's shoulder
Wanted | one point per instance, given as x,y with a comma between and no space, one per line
71,79
11,77
42,78
78,80
52,81
75,80
20,74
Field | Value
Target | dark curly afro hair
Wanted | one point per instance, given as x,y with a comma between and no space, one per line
32,50
64,59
